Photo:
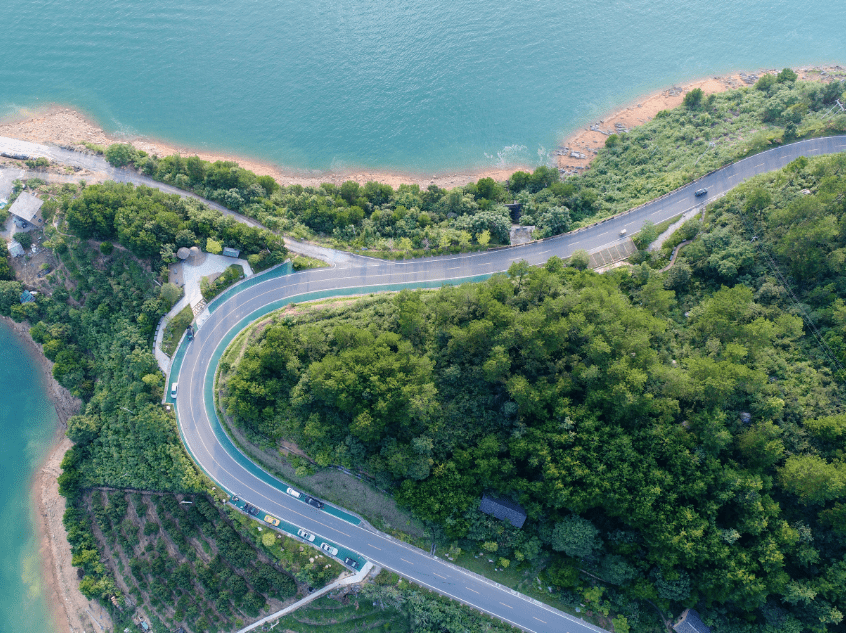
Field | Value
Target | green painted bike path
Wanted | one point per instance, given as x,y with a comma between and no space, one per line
208,385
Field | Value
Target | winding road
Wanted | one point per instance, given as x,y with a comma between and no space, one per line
195,364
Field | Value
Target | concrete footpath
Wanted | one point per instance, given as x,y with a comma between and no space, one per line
349,580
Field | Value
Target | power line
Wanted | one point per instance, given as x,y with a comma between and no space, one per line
827,351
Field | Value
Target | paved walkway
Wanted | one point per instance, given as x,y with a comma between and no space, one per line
161,358
349,580
189,277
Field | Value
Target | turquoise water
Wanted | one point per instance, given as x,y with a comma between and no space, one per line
415,86
27,423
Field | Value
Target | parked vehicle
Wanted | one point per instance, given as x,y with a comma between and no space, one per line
306,535
251,510
190,332
294,493
622,233
700,192
352,563
173,389
272,520
328,548
313,502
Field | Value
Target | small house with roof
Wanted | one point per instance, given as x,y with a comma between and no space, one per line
27,296
25,210
503,509
690,622
231,252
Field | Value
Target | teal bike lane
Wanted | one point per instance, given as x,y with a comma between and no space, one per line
208,380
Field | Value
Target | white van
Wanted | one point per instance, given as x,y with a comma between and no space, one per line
293,493
173,390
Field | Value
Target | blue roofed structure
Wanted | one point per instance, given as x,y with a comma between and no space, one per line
690,622
27,297
503,509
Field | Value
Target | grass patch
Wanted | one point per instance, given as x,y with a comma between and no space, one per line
522,577
332,615
301,262
175,329
211,289
97,149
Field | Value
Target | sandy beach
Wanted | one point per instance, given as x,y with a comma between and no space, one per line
72,612
63,126
66,127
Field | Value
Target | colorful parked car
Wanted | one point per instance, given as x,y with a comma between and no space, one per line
272,520
313,502
305,535
352,563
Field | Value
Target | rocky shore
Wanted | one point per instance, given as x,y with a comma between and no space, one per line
579,149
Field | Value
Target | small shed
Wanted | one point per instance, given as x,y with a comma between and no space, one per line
15,249
26,208
27,296
503,509
690,622
231,252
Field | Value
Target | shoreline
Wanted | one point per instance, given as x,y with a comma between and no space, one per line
60,125
70,610
585,141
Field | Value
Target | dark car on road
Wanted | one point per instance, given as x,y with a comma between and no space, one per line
700,192
251,510
352,563
313,502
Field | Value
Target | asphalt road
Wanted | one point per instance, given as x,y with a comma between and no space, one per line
353,274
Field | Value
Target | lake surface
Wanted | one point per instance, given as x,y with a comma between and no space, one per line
27,424
418,86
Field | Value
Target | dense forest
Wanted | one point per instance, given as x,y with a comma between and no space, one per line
676,437
154,225
676,147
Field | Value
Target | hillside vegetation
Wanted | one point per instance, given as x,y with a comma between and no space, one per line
675,437
673,149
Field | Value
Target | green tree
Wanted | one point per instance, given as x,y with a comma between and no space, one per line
579,260
121,154
576,537
787,76
213,247
693,99
813,479
170,294
648,233
24,239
